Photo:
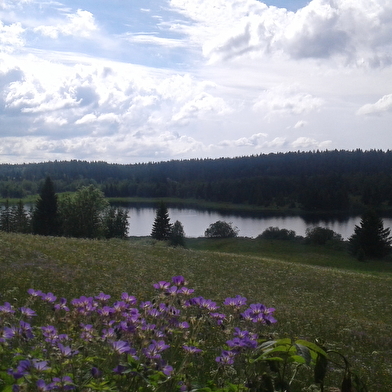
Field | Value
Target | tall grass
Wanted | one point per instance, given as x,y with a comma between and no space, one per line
316,293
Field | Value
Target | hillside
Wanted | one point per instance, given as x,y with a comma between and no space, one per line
350,310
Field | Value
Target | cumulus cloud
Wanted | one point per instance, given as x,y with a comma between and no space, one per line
80,24
353,32
300,124
255,140
307,143
11,37
383,105
287,100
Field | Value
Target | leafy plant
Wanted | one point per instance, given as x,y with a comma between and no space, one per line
221,229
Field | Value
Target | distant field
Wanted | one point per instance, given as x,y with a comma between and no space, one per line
317,292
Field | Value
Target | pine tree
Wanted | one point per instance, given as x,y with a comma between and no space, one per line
161,228
370,238
45,215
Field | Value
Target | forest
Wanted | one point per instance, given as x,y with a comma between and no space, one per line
337,180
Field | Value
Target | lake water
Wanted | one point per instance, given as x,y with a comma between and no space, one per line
195,222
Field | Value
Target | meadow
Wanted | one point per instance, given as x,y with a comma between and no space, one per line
317,292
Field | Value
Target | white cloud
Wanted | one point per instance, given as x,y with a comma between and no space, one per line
255,140
384,104
81,24
352,32
300,124
307,143
287,100
11,37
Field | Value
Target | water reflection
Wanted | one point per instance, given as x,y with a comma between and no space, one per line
196,221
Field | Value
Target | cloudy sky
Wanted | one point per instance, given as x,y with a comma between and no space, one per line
130,81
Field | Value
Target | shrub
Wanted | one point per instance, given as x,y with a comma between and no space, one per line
177,235
274,233
221,229
321,235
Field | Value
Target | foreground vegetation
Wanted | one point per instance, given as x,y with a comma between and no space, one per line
349,310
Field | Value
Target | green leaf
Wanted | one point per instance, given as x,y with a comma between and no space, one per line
298,359
304,352
312,346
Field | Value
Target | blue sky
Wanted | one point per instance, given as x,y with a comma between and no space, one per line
152,80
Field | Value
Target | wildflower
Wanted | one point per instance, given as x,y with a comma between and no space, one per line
95,372
236,302
42,386
103,297
27,312
226,358
161,285
155,348
172,290
87,332
121,347
178,280
167,370
25,330
40,365
129,299
105,311
49,297
183,325
50,333
6,308
192,349
35,293
219,317
64,383
62,305
185,291
66,351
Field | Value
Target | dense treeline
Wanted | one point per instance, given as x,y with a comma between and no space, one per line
327,180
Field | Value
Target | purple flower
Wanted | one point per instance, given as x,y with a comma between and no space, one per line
103,297
236,302
6,308
27,312
226,358
42,386
129,299
64,383
95,372
167,370
9,332
50,333
219,317
62,305
172,290
161,285
192,349
258,313
155,348
121,347
183,325
119,369
178,280
49,297
66,351
106,311
40,365
35,293
185,291
25,330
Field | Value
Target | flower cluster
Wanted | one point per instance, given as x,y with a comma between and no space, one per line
93,343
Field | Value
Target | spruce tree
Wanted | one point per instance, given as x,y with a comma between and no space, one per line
45,215
161,228
370,238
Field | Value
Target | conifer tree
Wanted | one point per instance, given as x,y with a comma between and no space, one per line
45,219
370,238
161,228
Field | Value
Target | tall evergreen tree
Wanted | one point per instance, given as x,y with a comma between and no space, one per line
370,238
45,220
20,219
5,217
161,228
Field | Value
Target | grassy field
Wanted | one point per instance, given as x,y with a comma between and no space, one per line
317,292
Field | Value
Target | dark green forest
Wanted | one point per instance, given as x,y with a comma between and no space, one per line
337,180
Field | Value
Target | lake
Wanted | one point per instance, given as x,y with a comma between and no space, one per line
195,222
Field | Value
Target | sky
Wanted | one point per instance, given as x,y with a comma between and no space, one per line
127,81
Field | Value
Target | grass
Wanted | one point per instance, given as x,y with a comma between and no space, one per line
317,292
